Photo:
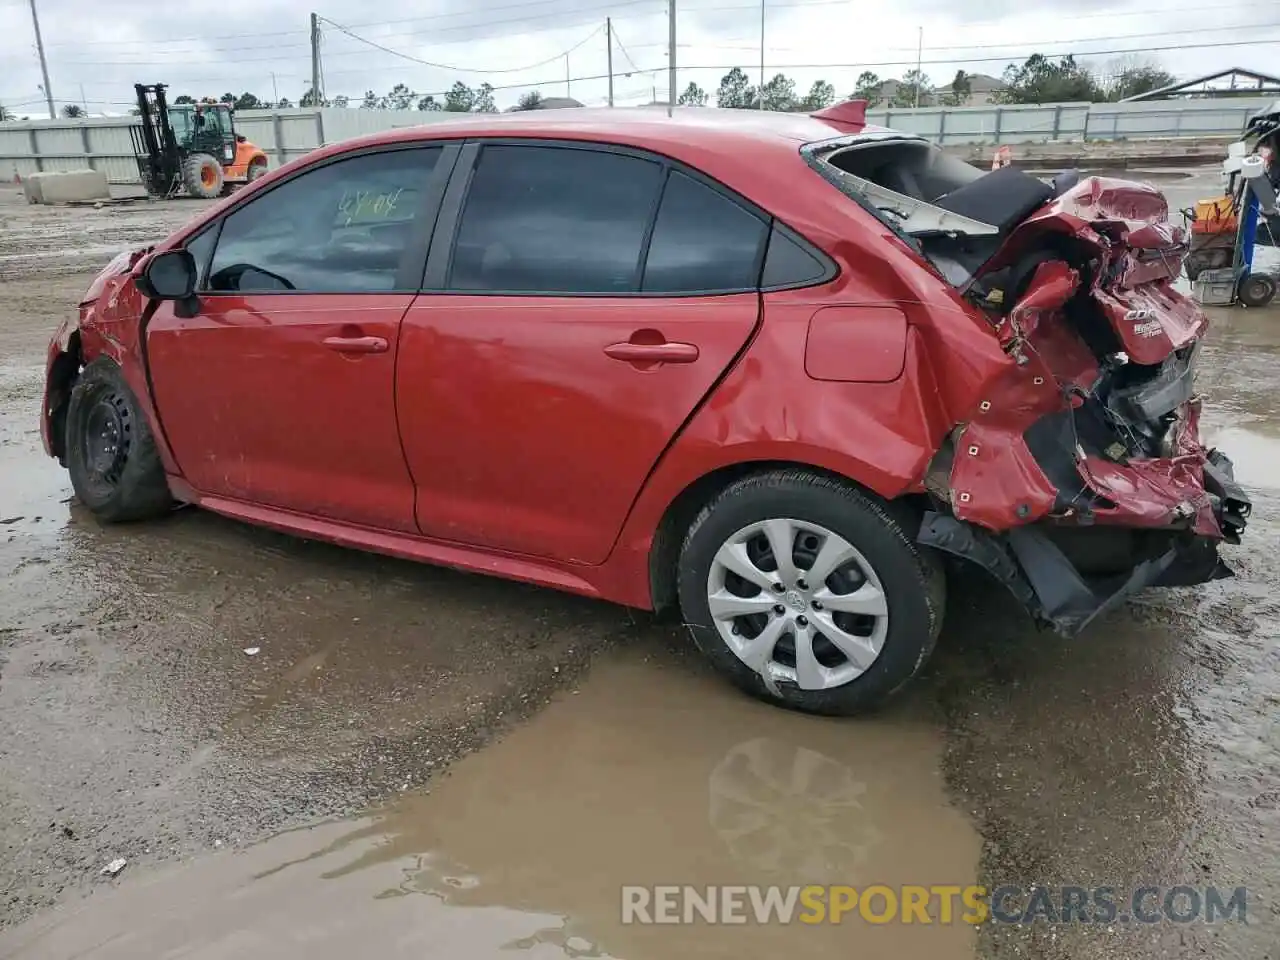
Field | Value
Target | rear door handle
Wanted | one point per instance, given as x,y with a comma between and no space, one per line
652,352
356,344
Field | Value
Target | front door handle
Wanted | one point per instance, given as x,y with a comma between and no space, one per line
356,344
652,352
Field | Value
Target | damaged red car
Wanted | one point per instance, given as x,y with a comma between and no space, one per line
764,370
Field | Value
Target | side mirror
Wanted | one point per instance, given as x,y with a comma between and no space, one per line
169,276
172,275
241,138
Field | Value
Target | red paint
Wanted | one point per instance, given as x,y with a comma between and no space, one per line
526,431
257,405
866,344
545,438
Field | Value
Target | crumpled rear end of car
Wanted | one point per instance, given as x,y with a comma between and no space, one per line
1095,426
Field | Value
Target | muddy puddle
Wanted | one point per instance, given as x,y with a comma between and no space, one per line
648,774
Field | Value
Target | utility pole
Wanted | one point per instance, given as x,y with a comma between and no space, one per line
275,91
760,92
317,96
919,54
83,102
608,39
566,75
44,67
671,56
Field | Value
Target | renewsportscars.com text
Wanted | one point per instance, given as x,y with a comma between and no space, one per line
935,904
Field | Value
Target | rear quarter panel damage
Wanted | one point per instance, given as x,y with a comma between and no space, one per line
1115,253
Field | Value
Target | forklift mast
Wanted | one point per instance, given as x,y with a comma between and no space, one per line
154,143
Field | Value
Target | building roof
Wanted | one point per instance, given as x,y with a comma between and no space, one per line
549,103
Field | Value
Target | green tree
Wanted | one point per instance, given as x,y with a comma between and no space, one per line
400,97
247,101
779,94
73,110
530,101
309,99
429,103
5,113
868,88
373,102
460,98
960,92
483,102
913,89
693,96
183,98
1134,80
341,100
1041,80
736,91
227,98
284,104
820,96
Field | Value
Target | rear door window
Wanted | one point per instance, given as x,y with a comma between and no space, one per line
702,242
344,227
548,220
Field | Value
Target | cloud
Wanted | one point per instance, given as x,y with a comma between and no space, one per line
262,46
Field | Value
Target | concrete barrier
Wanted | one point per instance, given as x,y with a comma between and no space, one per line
66,186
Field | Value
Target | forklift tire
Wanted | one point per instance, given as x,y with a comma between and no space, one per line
257,169
202,176
1256,290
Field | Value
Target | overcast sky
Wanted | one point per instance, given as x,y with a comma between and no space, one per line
105,46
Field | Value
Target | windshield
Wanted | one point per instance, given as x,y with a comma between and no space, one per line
203,132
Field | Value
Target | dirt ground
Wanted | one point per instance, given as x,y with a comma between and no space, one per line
518,755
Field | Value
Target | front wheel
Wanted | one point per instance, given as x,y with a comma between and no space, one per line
807,593
111,454
202,175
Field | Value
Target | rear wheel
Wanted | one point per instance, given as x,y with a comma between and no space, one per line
111,455
1257,290
807,593
202,176
257,169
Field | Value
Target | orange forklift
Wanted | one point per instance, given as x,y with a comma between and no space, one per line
192,148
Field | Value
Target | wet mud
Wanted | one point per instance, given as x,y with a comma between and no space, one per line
524,754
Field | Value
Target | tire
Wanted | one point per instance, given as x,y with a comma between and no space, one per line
111,454
256,170
202,176
1256,290
883,566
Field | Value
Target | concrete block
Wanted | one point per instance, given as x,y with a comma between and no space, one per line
64,186
31,188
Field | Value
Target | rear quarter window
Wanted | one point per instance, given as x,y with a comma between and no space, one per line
702,241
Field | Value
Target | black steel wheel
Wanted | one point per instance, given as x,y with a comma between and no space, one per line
111,454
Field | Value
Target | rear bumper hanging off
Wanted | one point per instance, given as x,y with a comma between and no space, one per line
1027,561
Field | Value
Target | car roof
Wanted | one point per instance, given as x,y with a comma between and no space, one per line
644,127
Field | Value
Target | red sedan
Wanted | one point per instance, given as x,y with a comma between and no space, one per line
762,369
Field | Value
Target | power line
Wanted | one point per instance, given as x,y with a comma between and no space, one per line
1020,43
154,41
340,53
618,40
551,81
455,69
829,66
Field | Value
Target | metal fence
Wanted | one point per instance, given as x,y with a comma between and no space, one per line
28,146
1032,123
103,143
